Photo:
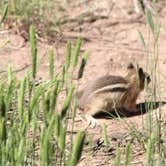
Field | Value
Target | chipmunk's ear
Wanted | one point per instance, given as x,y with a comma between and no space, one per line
141,73
130,66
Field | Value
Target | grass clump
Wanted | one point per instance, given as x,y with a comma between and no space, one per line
149,139
32,128
152,124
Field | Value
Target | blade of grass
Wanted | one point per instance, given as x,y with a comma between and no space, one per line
34,100
51,64
61,139
11,85
67,101
43,148
105,135
21,97
76,52
4,14
150,151
128,153
150,20
57,124
53,97
20,153
157,31
3,132
68,56
117,158
142,40
83,63
77,149
33,50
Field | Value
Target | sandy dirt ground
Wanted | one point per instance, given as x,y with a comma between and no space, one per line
110,35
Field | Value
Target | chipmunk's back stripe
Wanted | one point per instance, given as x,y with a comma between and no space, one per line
118,89
113,88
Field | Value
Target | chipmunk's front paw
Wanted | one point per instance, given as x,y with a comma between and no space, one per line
92,122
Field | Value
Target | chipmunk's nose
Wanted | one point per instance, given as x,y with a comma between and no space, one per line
148,79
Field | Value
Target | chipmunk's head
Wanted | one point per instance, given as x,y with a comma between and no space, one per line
137,76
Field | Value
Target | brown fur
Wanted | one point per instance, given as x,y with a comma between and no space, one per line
108,93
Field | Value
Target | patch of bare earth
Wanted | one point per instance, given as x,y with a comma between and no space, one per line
110,33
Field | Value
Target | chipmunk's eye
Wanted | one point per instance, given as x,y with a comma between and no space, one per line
130,66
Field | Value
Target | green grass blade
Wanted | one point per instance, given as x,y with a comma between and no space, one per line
21,97
9,74
67,101
105,135
128,155
28,86
118,157
57,124
4,14
68,55
11,85
43,149
51,64
142,40
76,52
34,102
62,78
46,105
34,119
150,151
20,153
74,112
61,139
3,132
33,50
150,20
83,63
77,148
36,96
2,102
53,97
157,31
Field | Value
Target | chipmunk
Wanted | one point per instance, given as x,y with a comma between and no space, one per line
110,93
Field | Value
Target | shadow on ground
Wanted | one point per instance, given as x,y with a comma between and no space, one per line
141,107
